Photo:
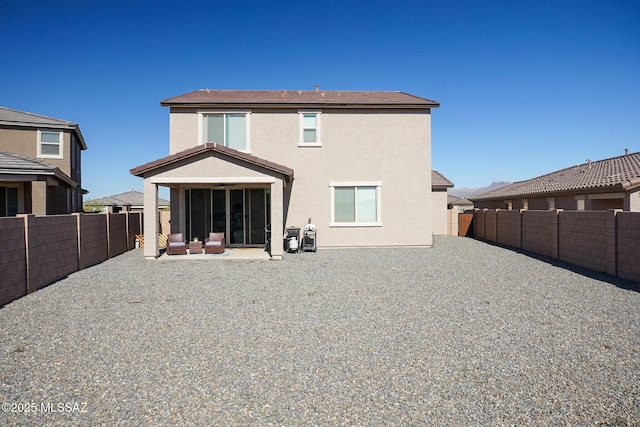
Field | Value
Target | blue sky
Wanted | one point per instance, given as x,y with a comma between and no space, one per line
526,87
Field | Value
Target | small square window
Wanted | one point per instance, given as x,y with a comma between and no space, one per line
309,129
50,144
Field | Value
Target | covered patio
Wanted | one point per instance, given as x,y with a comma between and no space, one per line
217,189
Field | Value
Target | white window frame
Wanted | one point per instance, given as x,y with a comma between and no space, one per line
60,154
355,184
318,141
201,126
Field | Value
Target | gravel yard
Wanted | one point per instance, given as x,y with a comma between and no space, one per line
464,333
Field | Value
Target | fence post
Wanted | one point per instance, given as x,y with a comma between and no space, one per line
555,238
28,219
611,243
78,233
108,234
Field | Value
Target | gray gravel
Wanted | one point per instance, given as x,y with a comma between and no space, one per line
464,333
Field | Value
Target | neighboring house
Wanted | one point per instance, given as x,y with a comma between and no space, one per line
362,163
458,204
129,201
605,184
439,187
132,201
40,161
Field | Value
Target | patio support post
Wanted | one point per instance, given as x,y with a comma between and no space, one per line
39,197
151,250
277,219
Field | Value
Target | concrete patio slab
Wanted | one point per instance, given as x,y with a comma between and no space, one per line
229,254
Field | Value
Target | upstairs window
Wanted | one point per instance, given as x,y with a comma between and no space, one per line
50,144
228,129
309,129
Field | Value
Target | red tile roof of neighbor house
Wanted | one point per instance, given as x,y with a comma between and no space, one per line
617,173
216,148
300,97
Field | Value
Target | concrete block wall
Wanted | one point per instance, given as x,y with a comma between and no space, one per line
603,241
94,246
117,226
587,239
491,225
478,223
452,222
134,226
35,251
628,245
540,232
509,227
52,249
13,261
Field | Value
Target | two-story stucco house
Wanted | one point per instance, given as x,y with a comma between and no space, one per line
40,161
357,164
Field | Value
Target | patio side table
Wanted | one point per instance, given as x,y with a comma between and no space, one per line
195,247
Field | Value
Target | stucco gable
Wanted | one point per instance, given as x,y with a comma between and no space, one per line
212,160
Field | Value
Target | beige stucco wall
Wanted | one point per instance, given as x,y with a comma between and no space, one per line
632,201
25,142
439,212
392,147
183,130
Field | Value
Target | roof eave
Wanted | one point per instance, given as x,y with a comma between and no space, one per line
57,173
555,193
315,105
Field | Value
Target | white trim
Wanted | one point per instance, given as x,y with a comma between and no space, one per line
203,113
60,145
355,183
376,184
212,180
318,141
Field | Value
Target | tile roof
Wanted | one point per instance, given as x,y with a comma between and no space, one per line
458,201
15,164
299,97
216,148
439,181
617,173
10,117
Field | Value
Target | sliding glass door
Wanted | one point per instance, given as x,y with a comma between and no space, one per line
241,213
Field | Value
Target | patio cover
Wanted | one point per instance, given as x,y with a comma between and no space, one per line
210,164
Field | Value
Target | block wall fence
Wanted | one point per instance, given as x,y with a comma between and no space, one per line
603,241
35,251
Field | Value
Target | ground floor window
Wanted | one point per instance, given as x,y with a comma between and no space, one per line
8,201
355,204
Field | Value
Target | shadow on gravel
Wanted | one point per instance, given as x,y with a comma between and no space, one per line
592,274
